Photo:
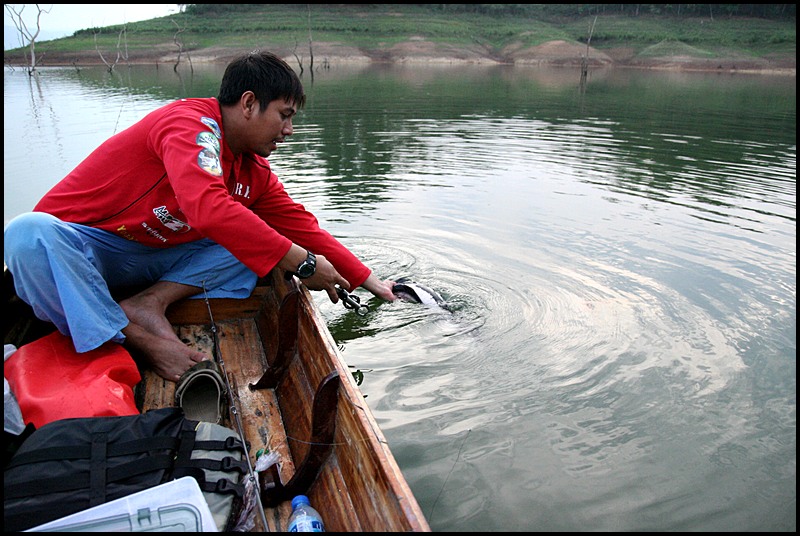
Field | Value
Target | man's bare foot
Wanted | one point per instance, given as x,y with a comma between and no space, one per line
169,357
146,311
150,333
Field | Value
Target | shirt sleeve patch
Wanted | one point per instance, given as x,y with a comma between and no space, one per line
207,140
209,161
210,123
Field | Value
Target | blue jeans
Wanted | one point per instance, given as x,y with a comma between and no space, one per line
66,272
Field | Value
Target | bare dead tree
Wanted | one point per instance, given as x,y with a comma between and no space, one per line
585,59
178,43
298,58
26,34
310,45
122,42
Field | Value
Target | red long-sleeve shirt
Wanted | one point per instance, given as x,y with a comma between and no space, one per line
171,179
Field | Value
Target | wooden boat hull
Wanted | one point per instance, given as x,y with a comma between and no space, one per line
294,395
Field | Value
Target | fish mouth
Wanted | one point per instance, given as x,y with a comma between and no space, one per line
408,291
405,293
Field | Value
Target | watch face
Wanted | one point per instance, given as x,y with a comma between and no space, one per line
307,267
305,270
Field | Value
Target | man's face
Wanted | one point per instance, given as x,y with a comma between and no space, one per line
268,128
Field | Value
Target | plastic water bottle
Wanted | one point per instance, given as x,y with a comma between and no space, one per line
304,518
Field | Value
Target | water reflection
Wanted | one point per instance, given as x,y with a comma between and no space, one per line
620,352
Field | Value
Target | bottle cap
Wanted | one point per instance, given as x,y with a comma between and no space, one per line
300,499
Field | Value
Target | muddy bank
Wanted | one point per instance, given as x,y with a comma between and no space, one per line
419,50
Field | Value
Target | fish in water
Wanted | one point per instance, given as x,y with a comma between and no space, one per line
409,291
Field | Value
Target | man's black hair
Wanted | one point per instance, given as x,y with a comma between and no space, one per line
266,75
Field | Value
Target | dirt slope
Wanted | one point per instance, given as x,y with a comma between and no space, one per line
417,49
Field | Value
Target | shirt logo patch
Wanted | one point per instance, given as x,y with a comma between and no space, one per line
170,221
209,161
210,123
209,141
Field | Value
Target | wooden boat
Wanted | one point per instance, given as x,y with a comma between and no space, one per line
296,396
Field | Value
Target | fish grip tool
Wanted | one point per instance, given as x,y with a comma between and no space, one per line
351,301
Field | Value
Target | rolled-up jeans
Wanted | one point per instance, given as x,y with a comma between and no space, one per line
66,272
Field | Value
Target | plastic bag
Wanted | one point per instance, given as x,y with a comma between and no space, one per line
13,423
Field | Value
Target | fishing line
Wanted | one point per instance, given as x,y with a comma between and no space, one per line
350,441
362,440
235,412
119,115
449,473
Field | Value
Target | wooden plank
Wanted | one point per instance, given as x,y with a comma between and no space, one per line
195,311
244,360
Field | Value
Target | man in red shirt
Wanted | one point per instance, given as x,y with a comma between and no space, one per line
185,202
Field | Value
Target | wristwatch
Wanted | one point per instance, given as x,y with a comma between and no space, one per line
307,267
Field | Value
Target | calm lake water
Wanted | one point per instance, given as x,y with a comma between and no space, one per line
619,260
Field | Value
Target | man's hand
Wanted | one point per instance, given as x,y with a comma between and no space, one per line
381,289
326,278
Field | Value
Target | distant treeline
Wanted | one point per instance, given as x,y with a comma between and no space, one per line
555,11
767,11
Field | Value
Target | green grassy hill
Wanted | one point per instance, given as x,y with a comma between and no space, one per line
388,32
